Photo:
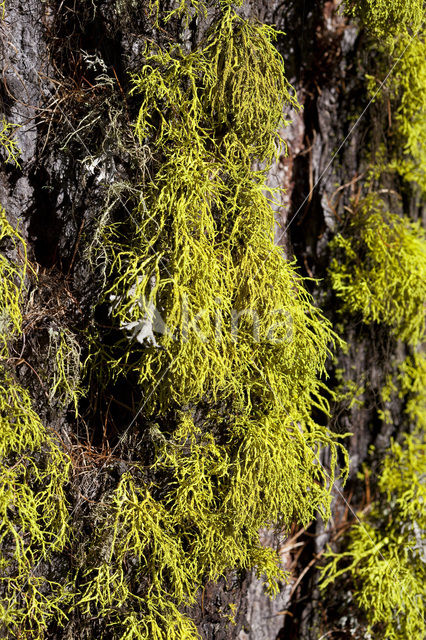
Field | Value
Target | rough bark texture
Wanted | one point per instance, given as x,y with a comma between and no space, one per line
48,69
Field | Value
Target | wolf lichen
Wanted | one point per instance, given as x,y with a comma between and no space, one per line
139,528
385,556
386,19
33,473
211,226
12,282
234,375
7,143
64,382
184,9
379,269
411,385
34,516
398,80
407,87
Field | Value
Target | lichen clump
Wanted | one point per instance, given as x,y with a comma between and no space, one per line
385,555
407,85
12,281
8,146
386,18
64,382
33,515
231,380
378,269
378,272
33,473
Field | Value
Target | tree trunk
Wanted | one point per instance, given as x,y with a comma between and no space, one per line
65,82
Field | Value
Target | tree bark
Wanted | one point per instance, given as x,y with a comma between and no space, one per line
52,53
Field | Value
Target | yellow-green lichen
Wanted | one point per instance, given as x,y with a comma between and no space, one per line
12,282
385,19
385,554
65,354
235,370
33,514
378,269
33,474
399,83
411,385
183,9
407,86
7,143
